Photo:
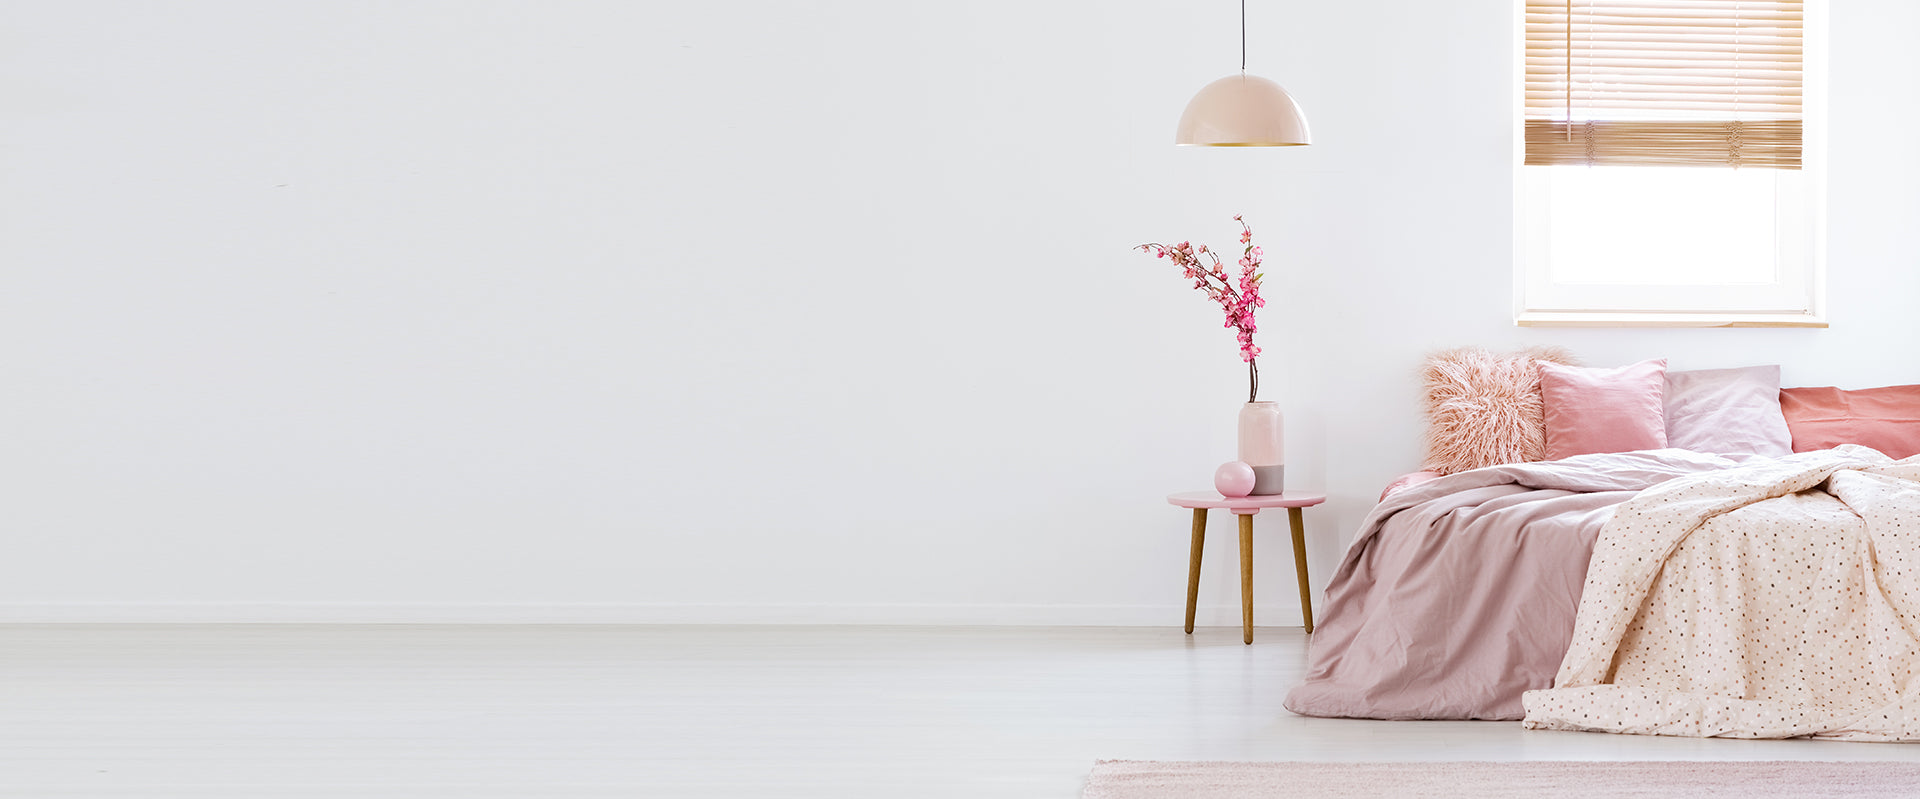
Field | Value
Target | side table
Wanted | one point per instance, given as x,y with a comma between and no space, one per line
1246,508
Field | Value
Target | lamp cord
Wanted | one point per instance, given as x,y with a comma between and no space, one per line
1243,36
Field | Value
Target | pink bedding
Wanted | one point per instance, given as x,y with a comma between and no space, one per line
1458,595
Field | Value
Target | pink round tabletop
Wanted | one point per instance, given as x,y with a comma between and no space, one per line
1212,499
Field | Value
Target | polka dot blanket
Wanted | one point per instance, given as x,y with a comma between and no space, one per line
1777,599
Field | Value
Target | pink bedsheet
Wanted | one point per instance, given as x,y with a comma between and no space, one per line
1458,595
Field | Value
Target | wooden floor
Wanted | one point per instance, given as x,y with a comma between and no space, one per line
555,711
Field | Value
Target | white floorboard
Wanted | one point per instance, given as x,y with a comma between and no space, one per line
692,711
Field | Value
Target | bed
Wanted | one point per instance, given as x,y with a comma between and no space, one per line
1741,579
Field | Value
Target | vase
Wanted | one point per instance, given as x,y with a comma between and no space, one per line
1262,447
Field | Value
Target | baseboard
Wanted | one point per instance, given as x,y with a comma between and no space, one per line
635,613
959,615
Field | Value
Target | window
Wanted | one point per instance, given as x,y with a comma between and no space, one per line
1668,173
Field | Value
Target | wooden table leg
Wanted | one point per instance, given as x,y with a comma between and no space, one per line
1193,563
1300,567
1246,575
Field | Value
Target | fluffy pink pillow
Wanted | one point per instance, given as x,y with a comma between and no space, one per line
1604,410
1885,418
1484,409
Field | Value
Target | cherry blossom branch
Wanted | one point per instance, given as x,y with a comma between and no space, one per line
1238,301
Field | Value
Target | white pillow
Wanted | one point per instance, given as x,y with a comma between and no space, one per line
1727,412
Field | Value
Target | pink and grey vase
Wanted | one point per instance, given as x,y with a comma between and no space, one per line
1262,446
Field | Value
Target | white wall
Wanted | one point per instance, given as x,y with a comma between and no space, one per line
788,311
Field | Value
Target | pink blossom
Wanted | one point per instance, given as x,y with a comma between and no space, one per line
1238,299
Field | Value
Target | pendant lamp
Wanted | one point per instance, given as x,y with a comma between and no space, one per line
1242,110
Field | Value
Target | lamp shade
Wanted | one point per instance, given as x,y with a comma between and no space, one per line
1241,110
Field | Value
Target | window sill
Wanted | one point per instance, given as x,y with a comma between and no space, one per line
1622,319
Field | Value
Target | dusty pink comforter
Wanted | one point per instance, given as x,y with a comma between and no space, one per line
1457,596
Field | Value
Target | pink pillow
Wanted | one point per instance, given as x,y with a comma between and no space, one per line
1484,409
1604,410
1886,418
1408,481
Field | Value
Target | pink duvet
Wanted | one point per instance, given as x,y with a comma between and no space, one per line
1458,595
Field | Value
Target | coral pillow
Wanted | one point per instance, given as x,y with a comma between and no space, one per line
1886,419
1484,409
1604,410
1727,412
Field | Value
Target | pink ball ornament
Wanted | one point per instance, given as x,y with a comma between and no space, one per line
1233,479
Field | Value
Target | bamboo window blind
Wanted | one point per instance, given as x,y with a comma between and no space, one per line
1664,82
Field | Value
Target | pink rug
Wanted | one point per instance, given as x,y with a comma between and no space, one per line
1755,779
